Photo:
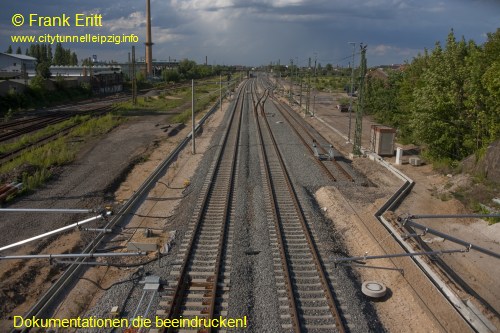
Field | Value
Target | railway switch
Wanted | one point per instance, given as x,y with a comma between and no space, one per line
330,156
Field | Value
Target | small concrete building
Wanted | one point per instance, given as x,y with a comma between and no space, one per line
382,140
16,66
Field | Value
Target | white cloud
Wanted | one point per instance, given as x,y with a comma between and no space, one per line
125,24
163,35
385,50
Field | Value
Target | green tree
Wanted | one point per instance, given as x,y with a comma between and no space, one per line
9,49
43,70
49,54
59,55
19,51
43,53
187,69
171,75
448,100
74,59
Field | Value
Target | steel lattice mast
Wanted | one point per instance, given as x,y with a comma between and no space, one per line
149,42
356,150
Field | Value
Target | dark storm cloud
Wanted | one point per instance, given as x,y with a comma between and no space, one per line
260,31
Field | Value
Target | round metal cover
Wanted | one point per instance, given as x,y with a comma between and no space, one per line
373,289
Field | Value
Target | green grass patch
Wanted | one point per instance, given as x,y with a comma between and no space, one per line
28,139
97,126
35,166
200,104
324,83
170,99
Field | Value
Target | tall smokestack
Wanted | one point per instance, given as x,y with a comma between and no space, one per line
149,42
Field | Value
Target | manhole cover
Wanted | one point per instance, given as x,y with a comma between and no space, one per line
373,289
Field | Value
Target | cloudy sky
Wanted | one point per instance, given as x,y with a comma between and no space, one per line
255,32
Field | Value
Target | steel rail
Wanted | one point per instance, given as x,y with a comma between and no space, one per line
60,287
305,228
183,282
18,122
287,114
31,128
55,231
73,255
284,262
322,166
10,155
46,210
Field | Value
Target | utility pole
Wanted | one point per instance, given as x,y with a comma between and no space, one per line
351,91
314,105
149,43
315,63
192,118
129,66
308,96
220,92
25,74
300,93
134,78
356,150
291,82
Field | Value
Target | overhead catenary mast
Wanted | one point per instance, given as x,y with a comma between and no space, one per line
149,42
356,149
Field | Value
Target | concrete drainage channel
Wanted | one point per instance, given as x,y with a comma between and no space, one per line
468,312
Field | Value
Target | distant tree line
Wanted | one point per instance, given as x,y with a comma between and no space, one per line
190,70
45,57
447,100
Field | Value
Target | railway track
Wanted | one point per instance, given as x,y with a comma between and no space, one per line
60,287
308,138
329,166
33,125
37,124
306,300
201,276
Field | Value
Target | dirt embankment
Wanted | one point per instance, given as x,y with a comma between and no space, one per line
432,194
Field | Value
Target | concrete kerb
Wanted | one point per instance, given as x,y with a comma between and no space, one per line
465,311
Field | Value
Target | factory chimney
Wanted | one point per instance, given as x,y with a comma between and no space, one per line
149,42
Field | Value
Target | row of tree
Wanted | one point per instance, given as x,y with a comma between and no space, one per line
318,69
448,99
189,70
45,58
43,53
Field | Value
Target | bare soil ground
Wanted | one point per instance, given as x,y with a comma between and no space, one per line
91,182
430,195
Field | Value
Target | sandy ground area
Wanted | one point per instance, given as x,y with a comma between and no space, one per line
479,271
